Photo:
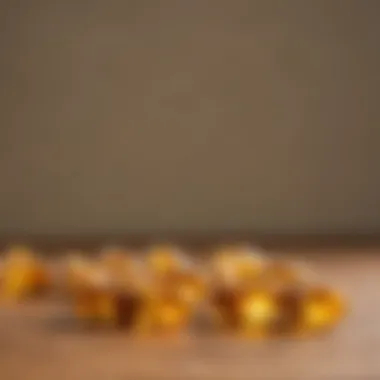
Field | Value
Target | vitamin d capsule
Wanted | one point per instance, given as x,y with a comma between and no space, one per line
23,274
225,289
240,263
87,286
249,265
280,273
323,308
115,259
122,268
129,290
128,308
164,315
289,319
99,297
77,272
258,310
238,298
307,310
170,302
166,258
186,285
225,302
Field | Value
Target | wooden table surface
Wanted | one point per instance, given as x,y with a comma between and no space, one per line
36,344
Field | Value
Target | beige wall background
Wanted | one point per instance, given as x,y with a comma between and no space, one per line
189,115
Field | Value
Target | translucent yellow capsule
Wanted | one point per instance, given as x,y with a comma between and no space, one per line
87,285
78,272
240,302
108,307
237,264
192,289
165,258
116,260
307,310
258,311
86,304
23,274
223,259
249,265
15,284
164,315
99,297
128,306
289,320
323,308
169,304
225,302
187,285
280,273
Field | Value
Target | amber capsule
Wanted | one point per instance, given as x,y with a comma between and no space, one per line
240,302
257,312
281,274
192,289
225,303
104,296
164,314
240,263
307,310
288,281
92,305
289,319
128,308
77,272
248,311
224,290
323,308
129,289
87,285
116,260
249,266
223,259
129,284
188,285
23,274
108,307
169,304
166,258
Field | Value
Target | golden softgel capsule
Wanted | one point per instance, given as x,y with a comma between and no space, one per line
77,272
105,294
163,316
257,312
281,273
249,311
323,309
225,302
241,264
162,259
23,275
308,310
170,302
116,260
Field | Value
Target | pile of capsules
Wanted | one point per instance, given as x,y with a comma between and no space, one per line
163,291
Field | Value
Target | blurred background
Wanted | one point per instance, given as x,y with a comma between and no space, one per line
243,118
192,116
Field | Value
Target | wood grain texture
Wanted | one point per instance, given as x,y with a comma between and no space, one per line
35,344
